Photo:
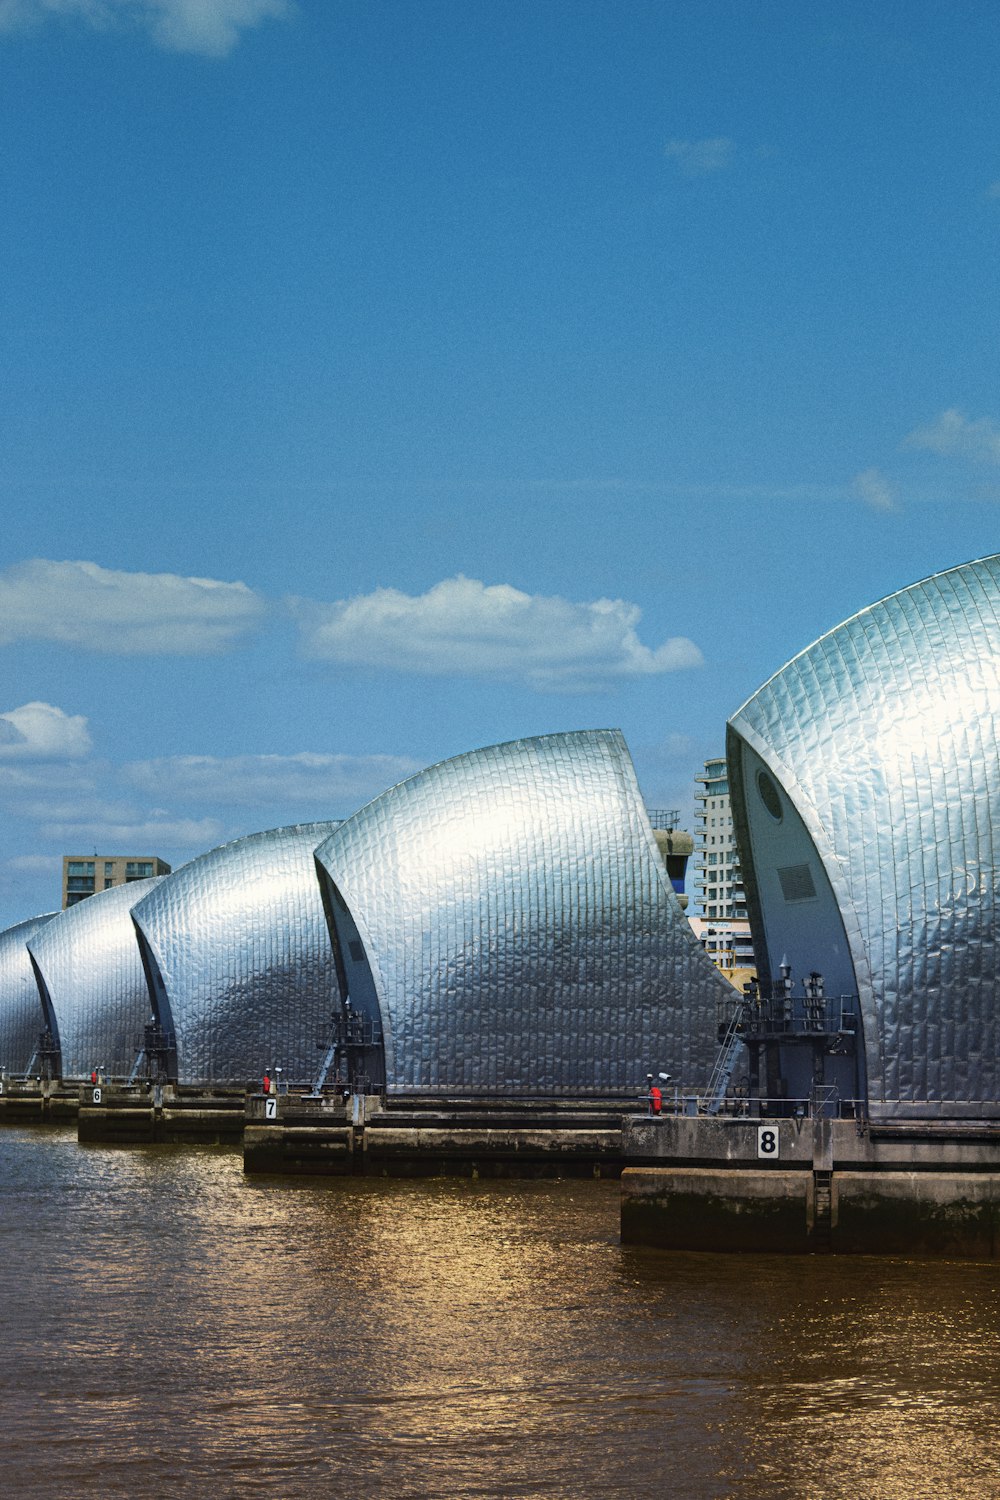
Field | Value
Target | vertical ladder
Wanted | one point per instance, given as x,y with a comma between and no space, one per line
729,1051
822,1211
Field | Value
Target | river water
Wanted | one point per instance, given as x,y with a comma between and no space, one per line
172,1328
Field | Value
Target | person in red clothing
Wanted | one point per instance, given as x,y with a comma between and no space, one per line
267,1083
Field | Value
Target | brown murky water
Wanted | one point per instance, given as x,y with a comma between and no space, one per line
172,1329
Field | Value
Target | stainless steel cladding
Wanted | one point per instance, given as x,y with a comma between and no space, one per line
866,789
21,1016
515,923
240,960
92,986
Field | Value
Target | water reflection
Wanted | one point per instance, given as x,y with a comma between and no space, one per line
173,1328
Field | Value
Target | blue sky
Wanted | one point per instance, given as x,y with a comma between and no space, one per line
381,380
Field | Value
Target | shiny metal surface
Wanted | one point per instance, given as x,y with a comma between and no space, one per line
92,986
520,926
21,1017
883,736
241,946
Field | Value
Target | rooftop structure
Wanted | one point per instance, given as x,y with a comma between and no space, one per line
866,794
675,845
239,961
91,984
505,925
21,1017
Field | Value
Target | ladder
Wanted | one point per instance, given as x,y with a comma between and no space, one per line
325,1067
729,1052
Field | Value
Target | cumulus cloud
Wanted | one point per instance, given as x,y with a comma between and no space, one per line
82,604
875,490
40,731
461,626
954,435
340,782
700,158
209,27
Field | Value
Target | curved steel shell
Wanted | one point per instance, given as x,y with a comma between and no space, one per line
21,1016
520,929
91,982
241,967
881,744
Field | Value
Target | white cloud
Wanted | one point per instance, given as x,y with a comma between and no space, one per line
330,783
954,435
209,27
875,490
39,731
463,627
82,604
148,836
700,158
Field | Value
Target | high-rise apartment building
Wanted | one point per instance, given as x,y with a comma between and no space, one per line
721,920
83,874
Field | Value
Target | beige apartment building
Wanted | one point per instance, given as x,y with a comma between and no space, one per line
83,874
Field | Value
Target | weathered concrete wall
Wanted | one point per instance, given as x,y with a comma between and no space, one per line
45,1102
122,1115
679,1140
296,1134
700,1140
905,1189
717,1209
955,1214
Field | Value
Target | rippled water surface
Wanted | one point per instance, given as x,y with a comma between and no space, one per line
171,1328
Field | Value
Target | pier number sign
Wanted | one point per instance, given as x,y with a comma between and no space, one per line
767,1141
97,1096
270,1109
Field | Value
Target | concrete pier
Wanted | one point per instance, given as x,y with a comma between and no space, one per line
118,1114
813,1185
363,1135
38,1102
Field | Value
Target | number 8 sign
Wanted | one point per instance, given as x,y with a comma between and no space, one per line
767,1140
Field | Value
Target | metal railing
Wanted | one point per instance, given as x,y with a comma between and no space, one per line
824,1102
792,1015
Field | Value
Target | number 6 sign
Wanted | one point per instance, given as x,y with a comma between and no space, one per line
767,1140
